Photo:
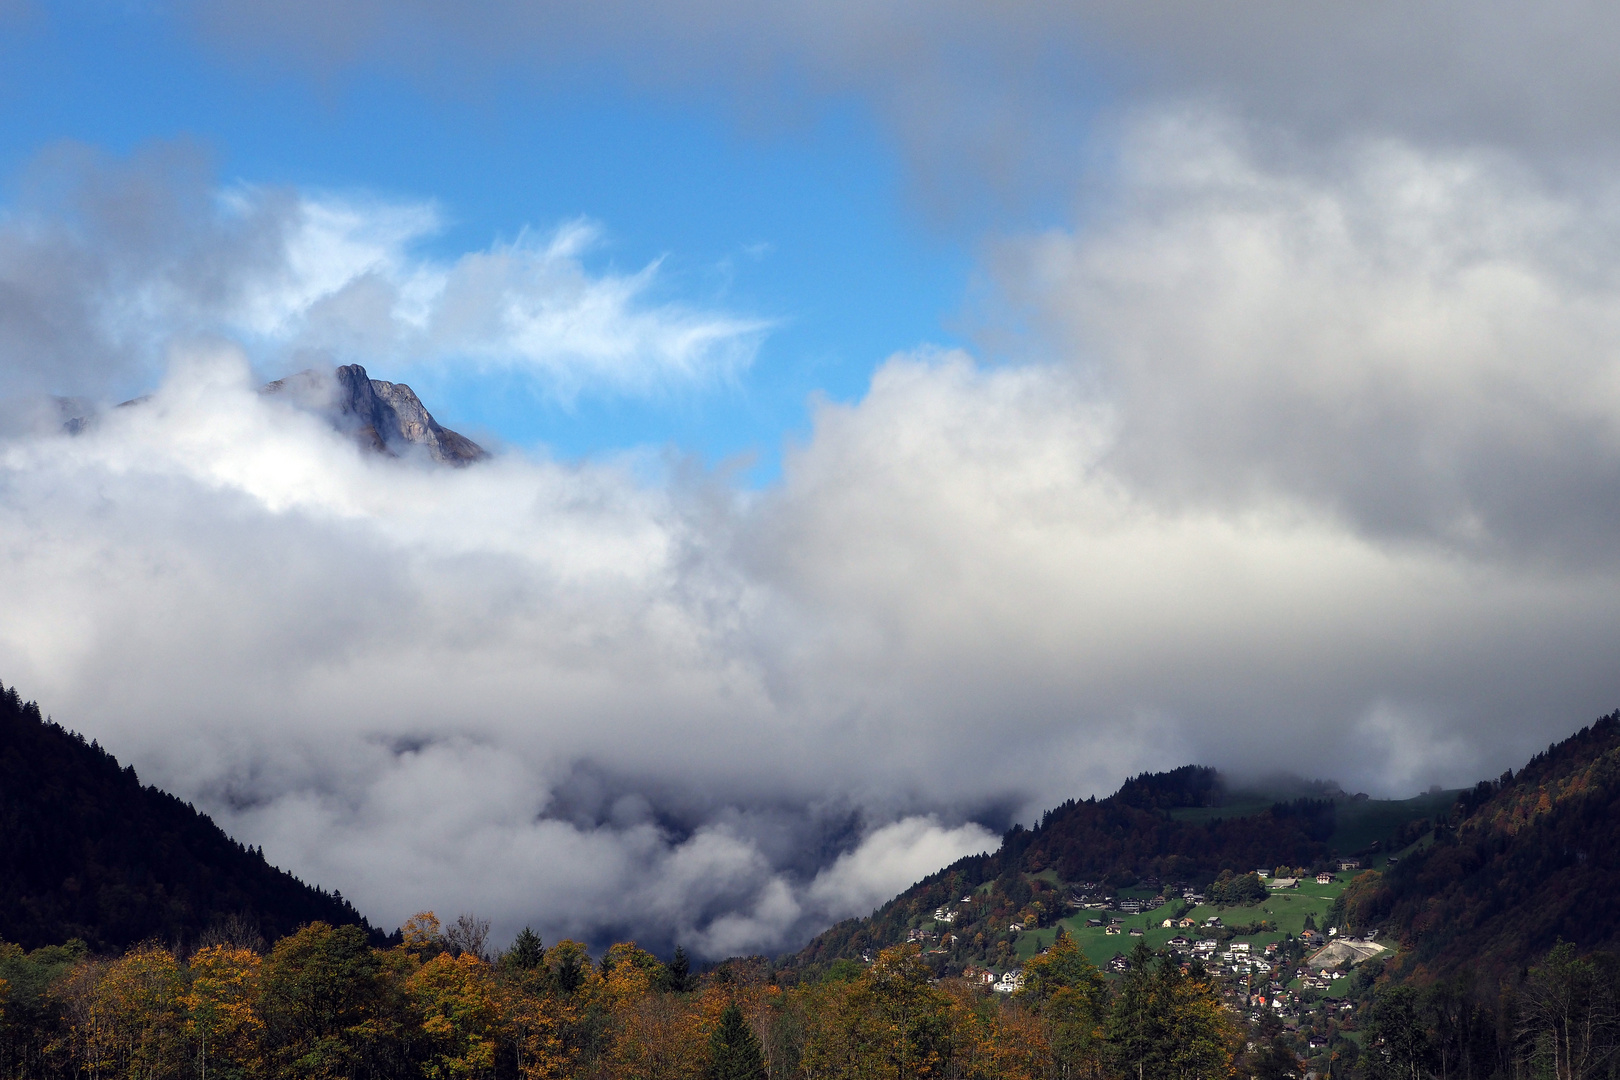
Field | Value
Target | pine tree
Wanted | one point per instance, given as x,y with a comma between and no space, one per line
734,1049
680,972
526,953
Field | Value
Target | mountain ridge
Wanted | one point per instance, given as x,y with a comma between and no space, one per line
89,852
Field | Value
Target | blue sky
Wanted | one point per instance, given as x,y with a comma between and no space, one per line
806,223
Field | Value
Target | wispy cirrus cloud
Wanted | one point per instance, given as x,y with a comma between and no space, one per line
105,263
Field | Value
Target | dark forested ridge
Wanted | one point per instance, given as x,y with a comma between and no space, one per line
1522,861
1130,837
88,852
1489,879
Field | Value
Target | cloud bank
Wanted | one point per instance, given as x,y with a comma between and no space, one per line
1008,98
1311,470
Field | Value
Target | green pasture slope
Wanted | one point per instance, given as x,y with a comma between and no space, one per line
1285,908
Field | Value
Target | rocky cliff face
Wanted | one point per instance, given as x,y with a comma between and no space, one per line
382,416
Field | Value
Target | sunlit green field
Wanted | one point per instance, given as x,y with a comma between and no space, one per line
1285,909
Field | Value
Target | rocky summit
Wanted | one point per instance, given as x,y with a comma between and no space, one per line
382,416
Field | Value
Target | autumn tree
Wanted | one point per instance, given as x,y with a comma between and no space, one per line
1071,996
1397,1038
318,998
220,1018
462,1023
891,1022
1570,1016
1168,1024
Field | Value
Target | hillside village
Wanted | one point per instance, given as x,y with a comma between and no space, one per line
1278,941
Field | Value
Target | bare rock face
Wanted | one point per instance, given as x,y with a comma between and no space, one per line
382,416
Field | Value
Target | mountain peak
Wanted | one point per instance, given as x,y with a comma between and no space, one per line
382,416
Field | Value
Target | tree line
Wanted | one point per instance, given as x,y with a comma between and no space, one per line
324,1002
1556,1020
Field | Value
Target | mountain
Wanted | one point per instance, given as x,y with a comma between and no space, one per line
88,852
382,416
1520,862
1161,833
1485,880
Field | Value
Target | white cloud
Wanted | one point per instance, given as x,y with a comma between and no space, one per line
1419,342
98,279
892,858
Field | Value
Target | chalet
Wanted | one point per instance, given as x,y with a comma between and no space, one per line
1136,931
1213,920
1168,923
1207,945
944,915
1178,942
1349,864
1324,878
1010,983
1240,946
1262,873
1285,883
1111,930
1186,924
1094,922
979,975
1119,964
1015,928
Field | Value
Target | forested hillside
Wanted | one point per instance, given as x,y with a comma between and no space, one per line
88,852
1524,861
1093,848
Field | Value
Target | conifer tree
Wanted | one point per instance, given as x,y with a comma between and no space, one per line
680,972
734,1049
526,953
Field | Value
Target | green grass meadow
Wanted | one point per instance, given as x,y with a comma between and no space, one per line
1286,909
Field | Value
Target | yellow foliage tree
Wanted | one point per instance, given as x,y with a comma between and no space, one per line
138,1015
891,1023
462,1018
220,1019
423,934
539,1025
658,1036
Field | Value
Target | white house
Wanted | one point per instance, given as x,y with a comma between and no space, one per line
1009,983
